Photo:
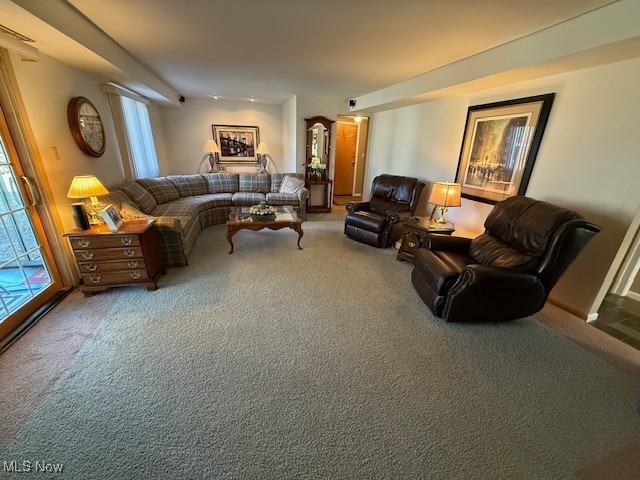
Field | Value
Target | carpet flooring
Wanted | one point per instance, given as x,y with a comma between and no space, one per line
321,363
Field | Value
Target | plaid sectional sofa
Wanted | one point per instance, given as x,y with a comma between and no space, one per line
184,205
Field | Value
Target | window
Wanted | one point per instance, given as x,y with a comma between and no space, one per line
133,129
142,149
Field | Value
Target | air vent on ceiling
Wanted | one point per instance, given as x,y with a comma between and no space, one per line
14,34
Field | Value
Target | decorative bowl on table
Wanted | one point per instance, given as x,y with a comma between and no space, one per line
262,212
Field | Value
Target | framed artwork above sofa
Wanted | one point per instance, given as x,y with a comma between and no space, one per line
238,143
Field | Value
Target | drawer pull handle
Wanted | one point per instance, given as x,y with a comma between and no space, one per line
95,278
87,255
85,242
132,263
135,275
126,240
412,244
92,267
130,252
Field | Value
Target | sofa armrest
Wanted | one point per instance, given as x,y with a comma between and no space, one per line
357,206
302,193
449,243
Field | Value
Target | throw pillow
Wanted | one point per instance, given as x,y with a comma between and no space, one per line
291,184
128,212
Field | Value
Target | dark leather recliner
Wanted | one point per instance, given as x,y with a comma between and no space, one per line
508,271
378,222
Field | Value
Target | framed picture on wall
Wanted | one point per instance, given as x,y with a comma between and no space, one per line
499,147
237,143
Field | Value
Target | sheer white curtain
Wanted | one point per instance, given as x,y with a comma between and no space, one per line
142,149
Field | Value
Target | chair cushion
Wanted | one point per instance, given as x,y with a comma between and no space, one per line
115,198
491,251
276,199
162,189
366,221
247,199
394,188
129,211
527,224
140,196
256,183
221,182
189,185
382,206
186,206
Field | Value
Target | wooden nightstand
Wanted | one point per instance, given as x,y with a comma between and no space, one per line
128,257
415,232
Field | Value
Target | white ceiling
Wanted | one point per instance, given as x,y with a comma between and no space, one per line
272,50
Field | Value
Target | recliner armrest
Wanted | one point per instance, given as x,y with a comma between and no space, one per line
357,206
499,277
449,243
493,294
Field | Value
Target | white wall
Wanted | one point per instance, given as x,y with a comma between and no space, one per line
289,135
46,88
588,159
187,127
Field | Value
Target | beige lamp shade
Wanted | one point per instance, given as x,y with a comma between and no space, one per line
445,194
83,186
263,149
210,146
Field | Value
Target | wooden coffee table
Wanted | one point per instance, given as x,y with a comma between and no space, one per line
240,219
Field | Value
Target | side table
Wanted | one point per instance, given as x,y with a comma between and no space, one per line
326,186
415,233
130,256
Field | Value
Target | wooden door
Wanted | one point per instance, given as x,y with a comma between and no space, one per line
346,142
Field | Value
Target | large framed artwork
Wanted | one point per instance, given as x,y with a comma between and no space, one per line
499,147
237,143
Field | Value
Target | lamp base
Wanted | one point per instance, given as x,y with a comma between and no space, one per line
441,219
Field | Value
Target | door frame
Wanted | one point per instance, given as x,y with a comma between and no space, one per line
344,118
631,264
627,260
31,162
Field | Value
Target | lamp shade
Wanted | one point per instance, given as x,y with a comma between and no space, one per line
445,194
210,146
83,186
263,149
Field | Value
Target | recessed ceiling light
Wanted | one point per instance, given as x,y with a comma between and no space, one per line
252,99
215,97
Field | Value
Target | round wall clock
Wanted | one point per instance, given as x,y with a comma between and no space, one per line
86,126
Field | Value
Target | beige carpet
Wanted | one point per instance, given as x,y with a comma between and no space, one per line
279,363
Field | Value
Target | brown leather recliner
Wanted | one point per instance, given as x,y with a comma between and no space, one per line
378,222
508,271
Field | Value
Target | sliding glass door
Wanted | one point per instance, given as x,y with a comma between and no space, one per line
28,277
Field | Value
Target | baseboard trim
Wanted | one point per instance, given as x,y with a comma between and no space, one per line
592,317
633,296
588,317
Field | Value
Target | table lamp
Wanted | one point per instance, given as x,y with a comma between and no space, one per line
262,151
211,147
445,195
83,186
